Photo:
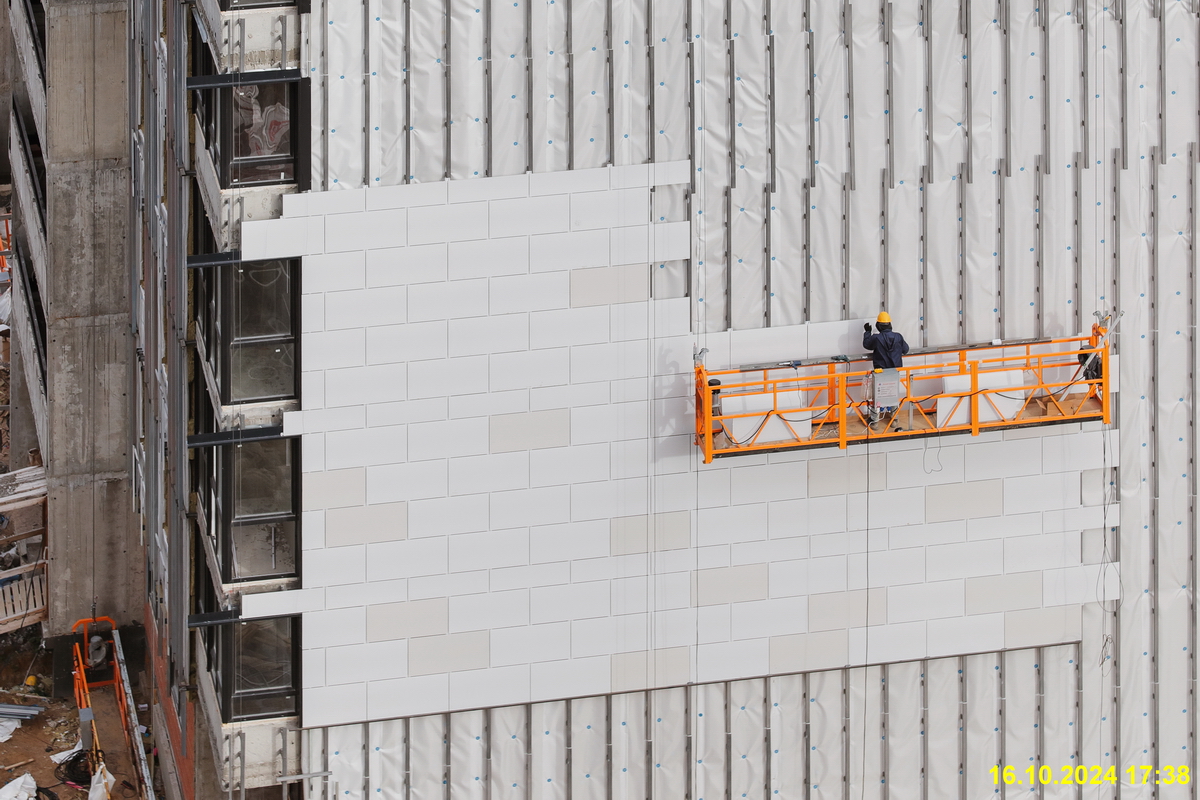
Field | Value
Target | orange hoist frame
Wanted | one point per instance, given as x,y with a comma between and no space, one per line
792,405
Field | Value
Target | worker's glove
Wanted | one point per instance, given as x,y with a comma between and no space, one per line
867,327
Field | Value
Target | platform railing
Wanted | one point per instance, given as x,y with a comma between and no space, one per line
793,405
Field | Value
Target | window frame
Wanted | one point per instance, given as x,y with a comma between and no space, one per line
215,488
213,104
215,310
219,650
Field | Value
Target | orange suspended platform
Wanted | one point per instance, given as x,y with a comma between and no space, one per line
796,405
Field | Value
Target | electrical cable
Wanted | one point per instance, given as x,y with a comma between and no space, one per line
77,767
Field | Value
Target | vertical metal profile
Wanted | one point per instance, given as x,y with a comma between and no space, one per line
731,103
767,752
1077,745
487,91
571,101
847,180
1078,247
366,121
884,176
407,752
968,99
1161,12
885,729
924,281
1081,17
324,71
808,736
1039,716
448,92
768,218
570,762
771,106
365,786
1124,84
408,164
812,96
1118,159
889,95
529,87
693,150
608,745
1001,713
805,191
728,745
1192,571
728,258
652,127
1006,83
648,745
962,726
1039,260
612,84
845,732
1155,467
927,32
924,730
848,40
446,776
1044,22
962,256
487,752
528,749
1000,248
689,758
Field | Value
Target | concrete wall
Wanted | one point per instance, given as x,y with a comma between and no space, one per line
94,545
503,502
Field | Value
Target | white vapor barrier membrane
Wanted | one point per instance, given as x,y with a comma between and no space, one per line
942,679
628,731
708,741
589,748
980,302
1175,520
865,252
789,755
312,759
1096,718
551,87
631,77
1057,217
388,84
510,102
712,167
947,69
985,120
347,120
787,244
943,261
427,79
346,761
590,73
468,756
982,723
427,757
1059,719
1066,100
507,769
1020,732
825,250
1027,87
468,90
865,733
752,167
1179,111
904,254
1019,264
889,732
668,732
907,106
747,752
826,735
905,729
671,135
1142,68
548,760
385,760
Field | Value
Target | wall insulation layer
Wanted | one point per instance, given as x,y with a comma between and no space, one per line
497,400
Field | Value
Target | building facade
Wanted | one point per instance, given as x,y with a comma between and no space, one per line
419,289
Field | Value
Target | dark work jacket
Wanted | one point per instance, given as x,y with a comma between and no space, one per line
887,349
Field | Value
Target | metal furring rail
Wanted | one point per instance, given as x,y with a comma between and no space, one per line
794,405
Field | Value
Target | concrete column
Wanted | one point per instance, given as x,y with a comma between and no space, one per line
95,551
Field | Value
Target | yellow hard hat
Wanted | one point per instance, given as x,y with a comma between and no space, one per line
884,317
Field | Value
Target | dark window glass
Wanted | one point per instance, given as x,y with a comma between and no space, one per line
262,294
262,528
262,134
262,351
264,680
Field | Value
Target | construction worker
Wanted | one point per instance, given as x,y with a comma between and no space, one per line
887,347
